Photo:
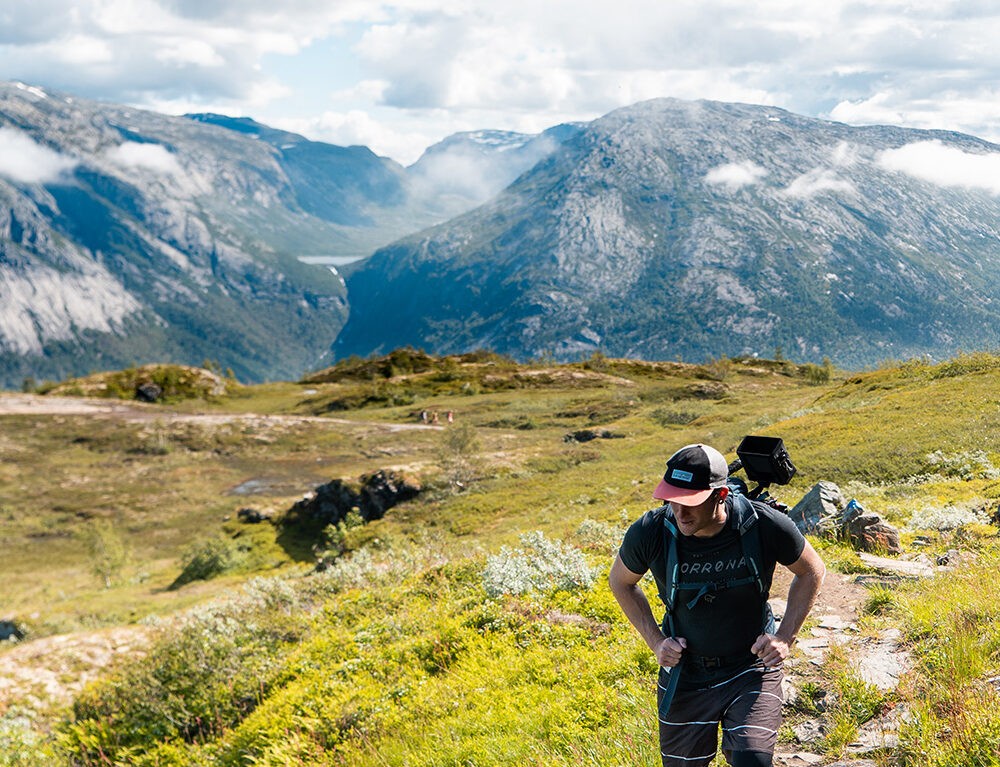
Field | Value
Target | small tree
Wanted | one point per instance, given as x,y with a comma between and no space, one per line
459,454
109,554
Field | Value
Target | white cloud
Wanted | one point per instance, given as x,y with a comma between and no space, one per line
818,181
194,52
947,166
25,161
734,176
358,127
151,157
519,65
844,154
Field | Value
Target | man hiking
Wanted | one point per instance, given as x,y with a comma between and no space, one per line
712,554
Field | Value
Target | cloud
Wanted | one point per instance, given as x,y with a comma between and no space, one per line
520,65
25,161
734,176
818,181
151,157
946,166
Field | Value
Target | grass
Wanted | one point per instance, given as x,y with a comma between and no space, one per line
566,680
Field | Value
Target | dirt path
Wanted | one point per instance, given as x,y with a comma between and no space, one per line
879,660
137,412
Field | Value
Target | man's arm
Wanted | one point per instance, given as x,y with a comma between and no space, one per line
625,586
809,572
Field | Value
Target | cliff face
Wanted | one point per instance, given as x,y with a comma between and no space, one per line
685,229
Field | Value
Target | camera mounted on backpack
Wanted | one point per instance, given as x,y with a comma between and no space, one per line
765,461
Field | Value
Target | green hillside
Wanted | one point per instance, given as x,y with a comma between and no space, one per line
471,625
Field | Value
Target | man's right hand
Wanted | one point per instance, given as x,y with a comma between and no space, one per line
669,650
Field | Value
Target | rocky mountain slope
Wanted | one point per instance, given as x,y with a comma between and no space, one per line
467,169
678,229
129,237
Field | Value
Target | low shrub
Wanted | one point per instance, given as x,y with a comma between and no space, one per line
21,745
541,566
202,676
210,558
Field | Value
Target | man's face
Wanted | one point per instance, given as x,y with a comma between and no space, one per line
703,520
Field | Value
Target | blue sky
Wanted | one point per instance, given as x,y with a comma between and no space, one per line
399,76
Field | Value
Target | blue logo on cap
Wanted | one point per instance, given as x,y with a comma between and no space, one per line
683,476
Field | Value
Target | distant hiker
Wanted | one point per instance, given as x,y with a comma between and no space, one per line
423,416
712,553
451,417
434,417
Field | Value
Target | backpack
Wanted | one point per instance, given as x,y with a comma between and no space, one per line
745,519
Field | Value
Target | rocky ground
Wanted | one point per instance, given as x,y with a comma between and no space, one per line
879,660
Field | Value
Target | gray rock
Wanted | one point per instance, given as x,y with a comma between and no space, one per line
810,731
883,661
867,531
254,516
148,392
818,509
880,734
586,435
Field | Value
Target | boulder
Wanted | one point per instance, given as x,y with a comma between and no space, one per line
372,496
10,631
586,435
818,509
148,392
867,531
823,511
253,516
383,490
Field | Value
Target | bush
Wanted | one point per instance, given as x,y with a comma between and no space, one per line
971,464
947,518
203,675
207,559
665,416
541,566
20,743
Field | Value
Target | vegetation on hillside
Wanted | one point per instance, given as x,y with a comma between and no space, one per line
471,625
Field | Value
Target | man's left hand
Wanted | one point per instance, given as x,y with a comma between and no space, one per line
771,649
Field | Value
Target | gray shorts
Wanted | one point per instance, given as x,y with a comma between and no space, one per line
746,705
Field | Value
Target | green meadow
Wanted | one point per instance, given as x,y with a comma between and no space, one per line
471,625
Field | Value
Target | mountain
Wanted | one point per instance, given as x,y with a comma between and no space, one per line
467,169
129,237
691,229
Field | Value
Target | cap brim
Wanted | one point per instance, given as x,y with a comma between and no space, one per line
682,495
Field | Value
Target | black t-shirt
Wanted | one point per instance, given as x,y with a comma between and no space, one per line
724,623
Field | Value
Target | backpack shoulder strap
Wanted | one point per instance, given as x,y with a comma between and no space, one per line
672,560
749,530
